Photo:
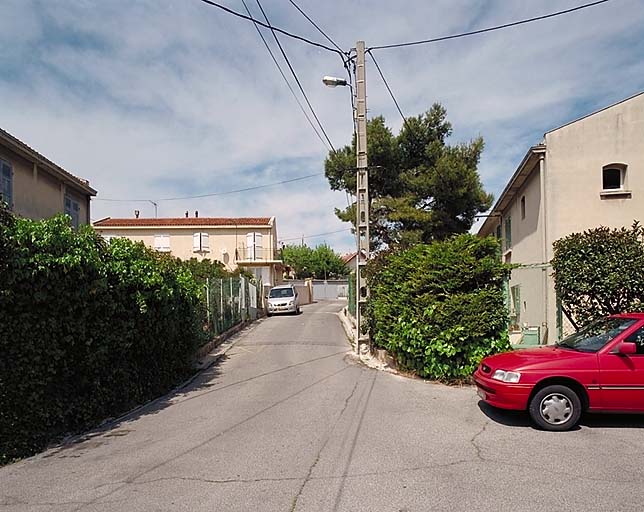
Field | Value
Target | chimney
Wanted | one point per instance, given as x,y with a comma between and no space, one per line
186,214
136,213
196,213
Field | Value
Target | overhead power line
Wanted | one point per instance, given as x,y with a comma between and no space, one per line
301,237
490,29
281,31
299,178
316,26
297,80
286,79
388,88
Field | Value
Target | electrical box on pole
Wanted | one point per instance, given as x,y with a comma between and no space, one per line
362,194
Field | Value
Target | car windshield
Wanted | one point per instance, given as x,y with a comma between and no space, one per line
595,335
278,293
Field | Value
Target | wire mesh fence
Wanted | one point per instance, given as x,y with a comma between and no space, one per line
231,301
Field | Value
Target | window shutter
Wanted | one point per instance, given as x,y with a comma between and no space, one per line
205,242
196,242
6,183
258,246
162,242
250,246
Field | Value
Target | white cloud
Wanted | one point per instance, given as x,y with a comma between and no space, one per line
154,99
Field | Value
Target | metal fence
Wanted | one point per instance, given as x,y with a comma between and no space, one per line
231,301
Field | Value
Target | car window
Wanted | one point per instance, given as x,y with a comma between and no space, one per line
278,293
638,338
597,334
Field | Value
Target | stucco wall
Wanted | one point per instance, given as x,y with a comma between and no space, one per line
37,194
575,157
223,242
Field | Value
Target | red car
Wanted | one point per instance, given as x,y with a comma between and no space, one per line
598,369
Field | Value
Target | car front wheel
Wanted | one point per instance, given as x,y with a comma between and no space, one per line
555,408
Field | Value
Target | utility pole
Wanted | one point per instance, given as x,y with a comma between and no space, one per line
362,193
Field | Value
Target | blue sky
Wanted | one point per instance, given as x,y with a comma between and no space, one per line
153,99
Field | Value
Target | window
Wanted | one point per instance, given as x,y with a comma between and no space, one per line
6,183
508,233
162,243
254,247
638,338
522,207
200,242
613,176
72,208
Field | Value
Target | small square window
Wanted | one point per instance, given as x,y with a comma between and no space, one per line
611,178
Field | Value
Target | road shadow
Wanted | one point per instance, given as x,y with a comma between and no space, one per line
505,417
596,420
589,420
200,381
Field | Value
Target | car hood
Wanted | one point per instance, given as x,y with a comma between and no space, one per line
537,358
280,299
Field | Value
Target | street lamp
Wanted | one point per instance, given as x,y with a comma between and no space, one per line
334,81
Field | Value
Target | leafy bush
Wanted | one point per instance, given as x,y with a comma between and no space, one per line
439,308
599,272
87,329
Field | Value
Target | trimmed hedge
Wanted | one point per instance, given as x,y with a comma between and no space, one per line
439,308
87,329
599,272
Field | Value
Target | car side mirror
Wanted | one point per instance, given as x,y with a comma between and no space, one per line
627,348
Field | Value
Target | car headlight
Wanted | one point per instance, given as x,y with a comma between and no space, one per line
505,376
290,303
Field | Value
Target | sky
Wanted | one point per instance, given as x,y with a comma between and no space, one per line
152,100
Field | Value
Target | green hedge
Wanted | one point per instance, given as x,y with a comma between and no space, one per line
87,329
439,308
599,272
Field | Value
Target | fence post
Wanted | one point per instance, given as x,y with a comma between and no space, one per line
208,303
221,304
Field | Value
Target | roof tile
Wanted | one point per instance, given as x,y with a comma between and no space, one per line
185,221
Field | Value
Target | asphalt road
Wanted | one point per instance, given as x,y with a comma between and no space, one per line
289,421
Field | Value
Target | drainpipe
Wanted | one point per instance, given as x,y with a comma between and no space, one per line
544,239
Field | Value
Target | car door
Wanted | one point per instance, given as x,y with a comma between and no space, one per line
622,376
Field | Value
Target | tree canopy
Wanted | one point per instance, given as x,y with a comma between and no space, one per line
319,263
421,189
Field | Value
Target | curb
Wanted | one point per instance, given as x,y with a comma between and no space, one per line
379,359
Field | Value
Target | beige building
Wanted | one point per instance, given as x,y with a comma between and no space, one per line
37,188
248,242
585,174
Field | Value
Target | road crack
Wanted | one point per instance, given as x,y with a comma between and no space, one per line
307,479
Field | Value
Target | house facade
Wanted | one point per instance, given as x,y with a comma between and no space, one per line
36,188
585,174
246,242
